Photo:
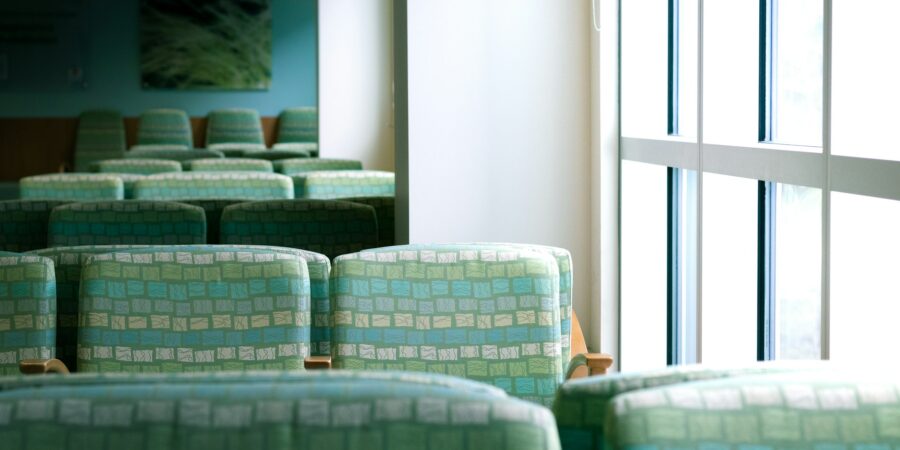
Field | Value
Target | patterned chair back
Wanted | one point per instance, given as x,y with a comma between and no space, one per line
199,185
230,165
23,224
27,310
130,222
296,166
138,166
384,212
298,125
234,126
100,135
73,187
165,127
343,184
487,314
205,308
324,226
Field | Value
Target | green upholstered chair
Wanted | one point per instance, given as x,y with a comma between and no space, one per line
213,208
27,310
137,166
158,147
325,226
234,126
182,156
343,183
236,150
127,222
208,308
100,135
268,411
298,125
296,166
488,314
165,126
72,186
129,181
197,185
23,224
277,154
384,212
583,406
230,165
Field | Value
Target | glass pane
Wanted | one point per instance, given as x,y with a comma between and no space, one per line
643,267
729,269
645,57
687,68
797,64
687,263
865,88
730,72
865,288
798,269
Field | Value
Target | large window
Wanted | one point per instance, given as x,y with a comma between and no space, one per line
783,202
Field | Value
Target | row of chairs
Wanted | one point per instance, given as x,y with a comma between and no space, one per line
189,161
101,133
495,313
329,227
317,184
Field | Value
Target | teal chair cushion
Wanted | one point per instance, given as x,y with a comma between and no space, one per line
278,154
165,127
197,185
298,125
137,166
100,135
72,187
23,224
294,166
205,308
230,165
236,149
182,156
343,184
488,314
234,126
324,226
27,310
127,222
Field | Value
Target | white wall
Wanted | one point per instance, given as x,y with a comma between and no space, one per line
499,109
356,81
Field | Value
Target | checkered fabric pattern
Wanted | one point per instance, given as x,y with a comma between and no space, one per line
278,154
23,224
158,147
27,310
582,406
384,212
100,135
343,183
491,315
298,125
295,166
329,227
317,410
72,186
234,126
811,411
203,309
127,222
129,181
182,156
236,149
165,127
196,185
310,148
213,208
230,165
137,166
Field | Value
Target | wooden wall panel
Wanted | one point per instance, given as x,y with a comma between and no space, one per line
31,146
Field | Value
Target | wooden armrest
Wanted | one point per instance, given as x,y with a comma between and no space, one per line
42,366
598,363
317,362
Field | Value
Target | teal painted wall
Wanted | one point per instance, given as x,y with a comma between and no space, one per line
113,74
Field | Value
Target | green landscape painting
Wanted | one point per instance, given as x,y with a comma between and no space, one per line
206,44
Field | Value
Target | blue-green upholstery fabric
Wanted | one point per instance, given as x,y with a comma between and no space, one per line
72,187
197,185
277,154
230,165
234,126
268,411
324,226
827,409
27,310
488,314
299,124
207,308
295,166
137,166
182,156
582,406
384,212
343,184
23,224
100,135
165,126
127,222
236,149
213,208
158,147
129,181
310,148
67,263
